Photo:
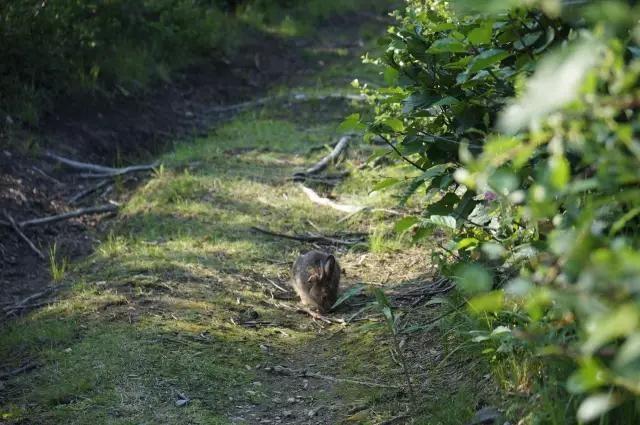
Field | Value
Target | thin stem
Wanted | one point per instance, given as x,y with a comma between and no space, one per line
400,153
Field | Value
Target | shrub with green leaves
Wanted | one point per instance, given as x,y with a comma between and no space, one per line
523,123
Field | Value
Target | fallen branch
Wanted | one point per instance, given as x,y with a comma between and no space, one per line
64,216
46,176
319,316
351,209
14,372
276,285
324,162
317,199
24,237
416,296
100,171
310,237
306,374
75,198
22,303
122,171
328,179
79,165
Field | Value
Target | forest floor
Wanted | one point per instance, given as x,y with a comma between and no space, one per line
182,314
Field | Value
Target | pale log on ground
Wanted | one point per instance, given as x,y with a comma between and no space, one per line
101,171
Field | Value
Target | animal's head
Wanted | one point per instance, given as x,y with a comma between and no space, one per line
321,288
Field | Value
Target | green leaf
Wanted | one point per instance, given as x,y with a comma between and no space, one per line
466,244
622,221
559,171
444,206
486,59
443,221
447,45
385,183
493,250
352,123
381,298
473,278
444,26
489,302
421,233
527,40
588,377
629,351
447,101
351,292
415,101
405,224
500,330
604,328
480,35
394,124
390,75
503,181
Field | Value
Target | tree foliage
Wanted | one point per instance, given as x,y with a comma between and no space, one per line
523,121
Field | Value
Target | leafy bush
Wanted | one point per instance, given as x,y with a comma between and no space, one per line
523,123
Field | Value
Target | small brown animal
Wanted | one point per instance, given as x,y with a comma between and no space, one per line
316,278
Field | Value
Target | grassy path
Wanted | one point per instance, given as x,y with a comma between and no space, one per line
177,317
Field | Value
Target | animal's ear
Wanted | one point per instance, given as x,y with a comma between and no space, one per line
328,266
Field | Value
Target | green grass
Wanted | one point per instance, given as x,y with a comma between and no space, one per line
57,266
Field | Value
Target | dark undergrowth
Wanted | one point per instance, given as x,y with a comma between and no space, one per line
52,50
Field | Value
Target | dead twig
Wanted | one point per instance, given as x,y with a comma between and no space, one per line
276,285
416,296
302,373
310,237
328,179
64,216
46,176
23,302
24,237
21,369
319,316
80,165
78,196
101,171
324,162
